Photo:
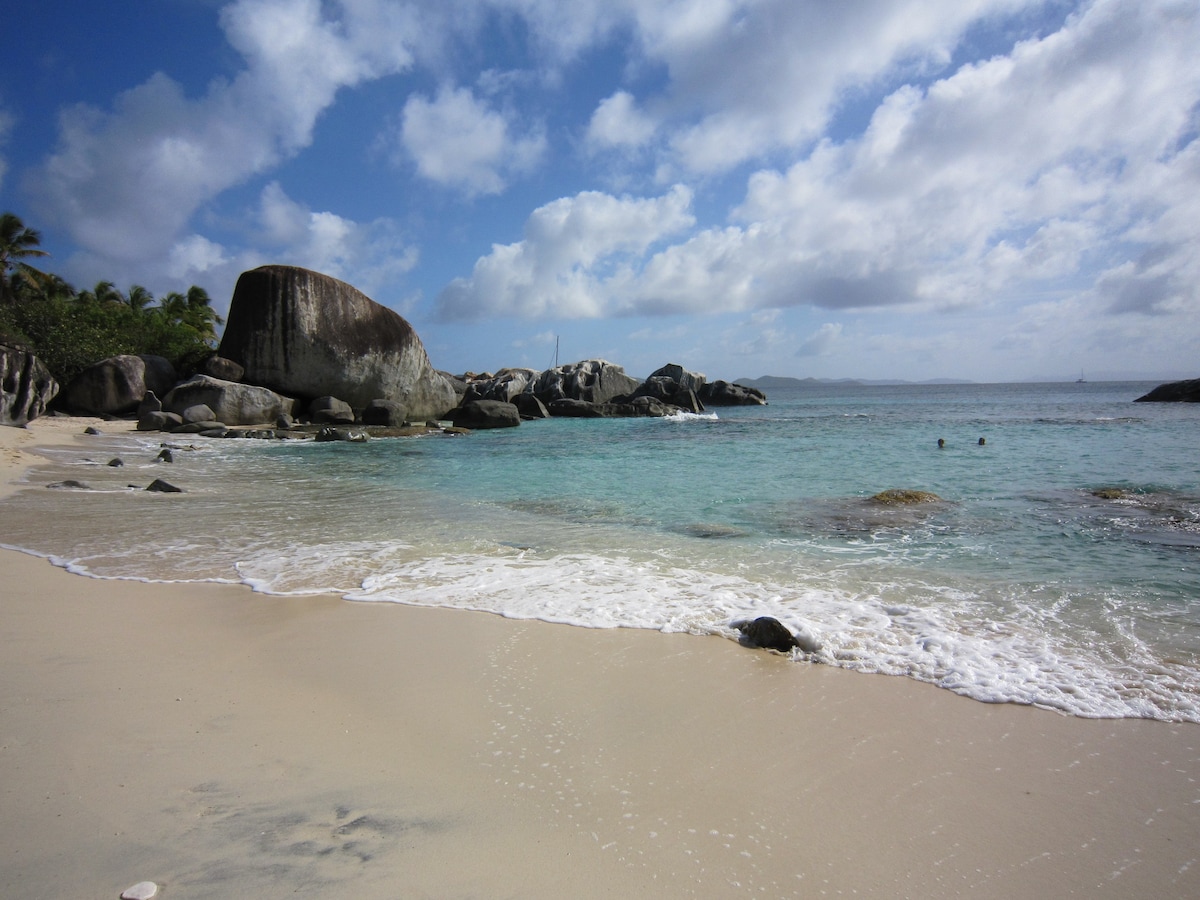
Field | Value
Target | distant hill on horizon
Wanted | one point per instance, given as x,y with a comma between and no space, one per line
766,382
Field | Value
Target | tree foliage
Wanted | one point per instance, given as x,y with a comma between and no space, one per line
69,330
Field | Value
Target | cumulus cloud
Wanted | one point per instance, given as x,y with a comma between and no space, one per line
576,253
126,181
617,122
458,141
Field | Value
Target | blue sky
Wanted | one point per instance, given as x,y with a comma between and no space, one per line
985,189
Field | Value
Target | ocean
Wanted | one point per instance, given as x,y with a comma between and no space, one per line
1061,567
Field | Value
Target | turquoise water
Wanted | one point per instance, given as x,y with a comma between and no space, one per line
1026,583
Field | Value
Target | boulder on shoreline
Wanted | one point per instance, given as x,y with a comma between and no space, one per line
1173,392
230,402
305,334
115,386
26,386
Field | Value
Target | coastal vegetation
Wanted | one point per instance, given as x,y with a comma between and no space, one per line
69,329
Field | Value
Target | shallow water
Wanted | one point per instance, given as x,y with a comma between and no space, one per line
1059,569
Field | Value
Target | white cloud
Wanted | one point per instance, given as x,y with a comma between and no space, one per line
617,122
576,254
370,256
821,341
460,142
126,182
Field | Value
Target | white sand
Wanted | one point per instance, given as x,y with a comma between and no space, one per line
222,743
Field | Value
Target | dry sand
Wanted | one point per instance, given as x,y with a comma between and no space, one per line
223,743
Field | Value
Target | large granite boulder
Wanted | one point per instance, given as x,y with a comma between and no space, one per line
388,413
592,380
230,402
115,386
1174,392
305,334
669,391
26,386
724,393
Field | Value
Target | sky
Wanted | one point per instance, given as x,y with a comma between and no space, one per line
992,190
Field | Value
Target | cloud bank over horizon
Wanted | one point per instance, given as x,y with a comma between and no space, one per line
978,188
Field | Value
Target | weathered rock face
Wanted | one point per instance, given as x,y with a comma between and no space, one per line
1174,392
306,334
724,393
26,386
506,385
669,391
592,380
222,368
330,411
681,376
231,403
116,385
384,412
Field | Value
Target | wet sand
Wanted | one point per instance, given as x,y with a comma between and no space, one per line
222,743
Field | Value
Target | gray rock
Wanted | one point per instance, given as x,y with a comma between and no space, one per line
681,376
200,412
159,421
115,463
115,386
330,411
592,380
26,386
150,403
383,412
505,385
230,402
203,428
307,334
222,368
69,485
486,414
530,407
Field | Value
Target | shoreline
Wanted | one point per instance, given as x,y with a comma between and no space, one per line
219,741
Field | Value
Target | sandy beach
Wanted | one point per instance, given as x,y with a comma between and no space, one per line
223,743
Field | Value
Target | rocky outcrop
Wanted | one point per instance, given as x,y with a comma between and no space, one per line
669,391
725,393
486,414
680,376
904,497
115,386
506,385
26,386
231,403
309,335
222,368
592,380
637,407
1174,392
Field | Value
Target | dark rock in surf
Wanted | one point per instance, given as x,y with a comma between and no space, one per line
904,497
1174,392
158,486
306,334
767,632
486,414
530,407
330,434
724,393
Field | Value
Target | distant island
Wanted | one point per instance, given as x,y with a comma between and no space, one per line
769,382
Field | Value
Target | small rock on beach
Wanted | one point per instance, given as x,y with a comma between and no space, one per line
143,890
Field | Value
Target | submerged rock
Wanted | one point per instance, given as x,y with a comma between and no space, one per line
901,497
159,486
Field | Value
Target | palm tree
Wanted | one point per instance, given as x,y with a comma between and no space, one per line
105,292
17,243
138,298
